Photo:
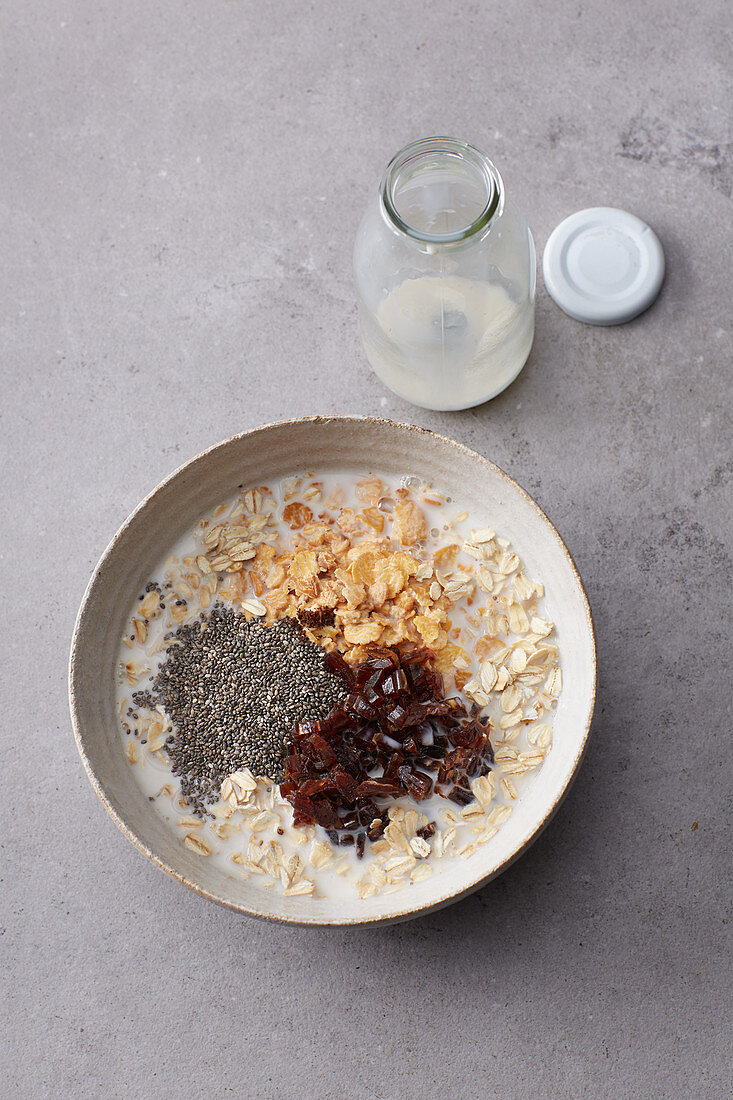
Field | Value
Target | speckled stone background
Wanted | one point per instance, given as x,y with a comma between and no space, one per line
180,188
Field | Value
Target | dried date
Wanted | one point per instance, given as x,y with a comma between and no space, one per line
394,735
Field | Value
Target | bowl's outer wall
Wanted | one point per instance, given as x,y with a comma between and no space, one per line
263,456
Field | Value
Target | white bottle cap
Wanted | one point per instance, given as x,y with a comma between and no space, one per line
603,266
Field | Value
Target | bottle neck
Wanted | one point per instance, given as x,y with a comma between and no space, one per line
441,191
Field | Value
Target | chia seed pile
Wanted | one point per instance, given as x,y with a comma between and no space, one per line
233,691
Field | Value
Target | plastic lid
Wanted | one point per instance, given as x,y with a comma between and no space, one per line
603,266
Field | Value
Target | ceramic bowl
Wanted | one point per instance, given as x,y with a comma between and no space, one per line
266,454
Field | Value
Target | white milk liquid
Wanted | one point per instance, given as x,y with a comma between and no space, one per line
448,342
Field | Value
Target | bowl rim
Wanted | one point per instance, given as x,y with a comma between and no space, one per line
404,913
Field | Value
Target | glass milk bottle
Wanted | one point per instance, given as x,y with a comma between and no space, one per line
444,266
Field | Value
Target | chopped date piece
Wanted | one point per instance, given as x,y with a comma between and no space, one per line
313,787
434,752
394,764
393,729
393,683
339,720
428,764
396,716
376,828
378,788
368,811
346,785
317,616
458,764
358,706
307,727
415,783
372,684
321,752
319,811
468,737
296,767
461,796
335,663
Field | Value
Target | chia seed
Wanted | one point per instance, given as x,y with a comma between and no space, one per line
233,691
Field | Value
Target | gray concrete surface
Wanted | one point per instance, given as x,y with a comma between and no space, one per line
180,188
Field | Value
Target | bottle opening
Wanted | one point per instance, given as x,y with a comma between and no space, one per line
441,190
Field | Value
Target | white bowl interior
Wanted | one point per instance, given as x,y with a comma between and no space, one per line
265,454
